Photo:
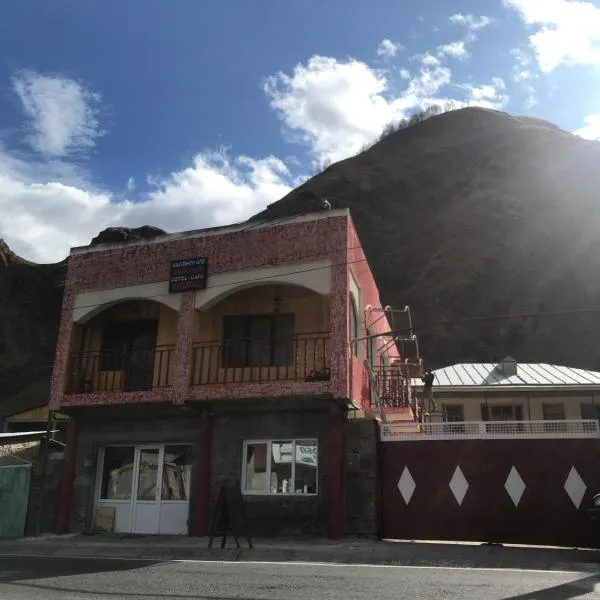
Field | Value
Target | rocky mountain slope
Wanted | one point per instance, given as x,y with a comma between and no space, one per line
475,213
472,213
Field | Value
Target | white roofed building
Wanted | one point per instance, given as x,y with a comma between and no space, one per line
512,391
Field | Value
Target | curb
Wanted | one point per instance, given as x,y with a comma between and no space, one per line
375,556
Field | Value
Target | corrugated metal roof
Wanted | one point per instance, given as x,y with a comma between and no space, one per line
490,375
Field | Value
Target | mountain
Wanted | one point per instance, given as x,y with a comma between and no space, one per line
477,213
471,213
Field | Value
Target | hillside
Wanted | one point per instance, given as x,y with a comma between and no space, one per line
469,213
477,213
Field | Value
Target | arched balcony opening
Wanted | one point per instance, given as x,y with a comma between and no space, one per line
125,346
263,333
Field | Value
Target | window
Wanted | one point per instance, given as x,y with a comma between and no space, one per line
353,326
554,412
117,473
280,467
258,341
123,340
590,411
502,412
177,473
455,415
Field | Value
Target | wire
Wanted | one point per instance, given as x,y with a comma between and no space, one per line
398,332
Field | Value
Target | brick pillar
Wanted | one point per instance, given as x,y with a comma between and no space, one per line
335,458
202,477
68,477
338,327
61,358
183,353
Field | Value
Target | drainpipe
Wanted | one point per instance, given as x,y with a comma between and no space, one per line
68,476
44,451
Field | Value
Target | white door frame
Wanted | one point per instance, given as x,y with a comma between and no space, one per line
133,501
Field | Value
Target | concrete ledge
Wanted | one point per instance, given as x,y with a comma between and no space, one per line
353,551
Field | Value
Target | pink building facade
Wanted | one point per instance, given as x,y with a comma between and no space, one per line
224,357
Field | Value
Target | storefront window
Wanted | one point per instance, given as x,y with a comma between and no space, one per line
177,473
256,467
117,473
281,467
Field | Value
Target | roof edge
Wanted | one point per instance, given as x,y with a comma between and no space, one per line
215,231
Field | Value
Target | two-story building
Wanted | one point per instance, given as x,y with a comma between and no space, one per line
225,356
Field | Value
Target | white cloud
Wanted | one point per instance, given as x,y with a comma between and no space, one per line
525,73
62,113
590,129
336,107
389,49
471,22
427,59
455,50
491,95
566,32
332,107
42,220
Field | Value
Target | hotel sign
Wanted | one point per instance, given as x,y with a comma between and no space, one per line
188,274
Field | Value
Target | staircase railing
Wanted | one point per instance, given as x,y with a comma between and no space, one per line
375,398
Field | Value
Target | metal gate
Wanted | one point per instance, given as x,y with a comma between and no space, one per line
14,499
529,491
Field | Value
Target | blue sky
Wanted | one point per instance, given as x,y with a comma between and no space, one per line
185,114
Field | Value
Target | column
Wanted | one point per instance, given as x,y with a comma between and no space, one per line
68,476
335,457
185,320
202,477
61,358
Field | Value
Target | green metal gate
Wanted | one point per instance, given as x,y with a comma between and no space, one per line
14,499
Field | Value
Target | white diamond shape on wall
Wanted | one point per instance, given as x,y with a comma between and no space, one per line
459,485
515,486
575,487
406,485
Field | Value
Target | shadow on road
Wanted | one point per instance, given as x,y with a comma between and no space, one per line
18,568
572,589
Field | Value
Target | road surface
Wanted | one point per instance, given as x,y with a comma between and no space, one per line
48,578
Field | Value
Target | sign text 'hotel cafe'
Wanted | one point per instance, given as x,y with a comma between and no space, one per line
188,274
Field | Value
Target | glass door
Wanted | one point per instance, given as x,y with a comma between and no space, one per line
146,496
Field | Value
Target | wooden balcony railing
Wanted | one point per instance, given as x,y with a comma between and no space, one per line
305,357
132,370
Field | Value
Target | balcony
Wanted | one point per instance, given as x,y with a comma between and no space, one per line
491,430
392,386
301,357
128,371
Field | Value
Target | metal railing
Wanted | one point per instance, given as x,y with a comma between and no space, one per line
491,429
392,386
129,370
303,357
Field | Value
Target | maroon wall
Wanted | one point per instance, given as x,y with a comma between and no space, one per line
544,515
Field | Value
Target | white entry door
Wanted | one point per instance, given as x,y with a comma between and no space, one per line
147,487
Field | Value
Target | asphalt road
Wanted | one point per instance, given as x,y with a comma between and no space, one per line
47,578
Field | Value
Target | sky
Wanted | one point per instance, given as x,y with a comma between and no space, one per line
186,114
